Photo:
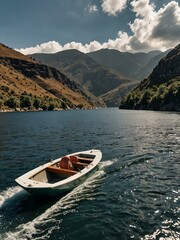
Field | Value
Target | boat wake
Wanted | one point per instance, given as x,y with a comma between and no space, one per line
107,163
65,205
9,194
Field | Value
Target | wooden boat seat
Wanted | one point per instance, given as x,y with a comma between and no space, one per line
61,171
79,162
85,160
79,165
65,163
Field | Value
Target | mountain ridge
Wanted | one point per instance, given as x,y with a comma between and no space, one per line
105,71
80,67
20,73
121,61
161,90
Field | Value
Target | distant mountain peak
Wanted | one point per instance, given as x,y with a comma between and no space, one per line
105,71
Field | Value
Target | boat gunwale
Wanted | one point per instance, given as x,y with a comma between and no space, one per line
27,183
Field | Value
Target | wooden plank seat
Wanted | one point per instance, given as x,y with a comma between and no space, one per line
84,160
79,165
61,171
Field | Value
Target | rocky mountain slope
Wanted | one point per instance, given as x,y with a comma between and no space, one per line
91,75
113,97
108,74
161,90
148,67
21,78
131,65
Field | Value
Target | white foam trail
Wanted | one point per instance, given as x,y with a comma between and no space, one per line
8,193
27,230
107,163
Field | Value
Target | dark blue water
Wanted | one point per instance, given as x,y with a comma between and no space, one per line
134,195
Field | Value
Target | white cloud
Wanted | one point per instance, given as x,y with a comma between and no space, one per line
168,22
154,29
48,47
143,8
93,46
112,7
91,8
74,45
151,30
53,46
120,43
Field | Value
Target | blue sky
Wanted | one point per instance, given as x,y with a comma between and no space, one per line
127,25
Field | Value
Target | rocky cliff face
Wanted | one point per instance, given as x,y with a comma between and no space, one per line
20,74
161,90
91,75
34,70
168,68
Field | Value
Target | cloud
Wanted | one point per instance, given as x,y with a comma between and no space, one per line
151,30
154,29
53,47
112,7
120,43
48,47
93,46
91,8
168,23
143,8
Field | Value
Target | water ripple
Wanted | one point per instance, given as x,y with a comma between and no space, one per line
135,194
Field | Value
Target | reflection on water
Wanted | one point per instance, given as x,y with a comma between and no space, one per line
135,193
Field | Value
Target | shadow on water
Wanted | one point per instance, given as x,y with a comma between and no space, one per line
23,202
22,214
133,196
24,207
19,207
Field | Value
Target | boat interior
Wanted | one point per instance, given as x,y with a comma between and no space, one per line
66,167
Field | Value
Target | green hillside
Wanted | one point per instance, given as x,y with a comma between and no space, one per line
161,90
28,84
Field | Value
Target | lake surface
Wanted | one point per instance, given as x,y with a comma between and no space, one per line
135,193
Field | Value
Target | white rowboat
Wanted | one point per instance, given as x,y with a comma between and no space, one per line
62,174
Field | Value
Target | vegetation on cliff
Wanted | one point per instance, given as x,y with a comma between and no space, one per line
163,97
29,85
10,100
161,90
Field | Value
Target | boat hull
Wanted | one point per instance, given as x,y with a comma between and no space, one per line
37,188
54,191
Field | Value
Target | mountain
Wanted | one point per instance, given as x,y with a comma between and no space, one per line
131,65
161,90
84,70
147,68
24,82
113,97
108,74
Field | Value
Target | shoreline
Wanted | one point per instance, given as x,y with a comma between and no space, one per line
27,110
41,110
